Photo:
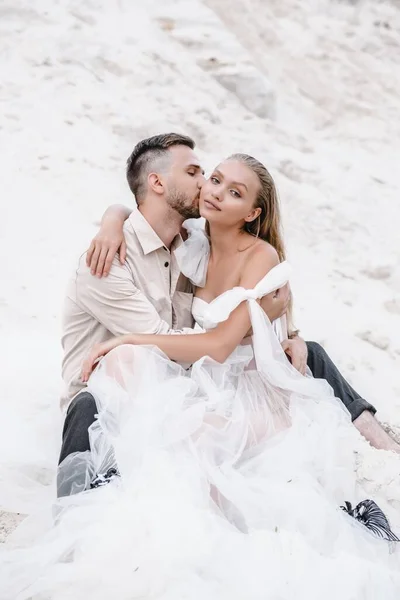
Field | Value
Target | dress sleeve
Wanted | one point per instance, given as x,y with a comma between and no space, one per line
193,255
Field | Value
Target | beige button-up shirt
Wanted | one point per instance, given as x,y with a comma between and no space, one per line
148,294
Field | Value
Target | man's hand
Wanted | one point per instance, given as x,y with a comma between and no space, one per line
296,350
276,304
105,246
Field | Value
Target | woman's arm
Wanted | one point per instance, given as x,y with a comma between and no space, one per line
184,348
218,343
108,241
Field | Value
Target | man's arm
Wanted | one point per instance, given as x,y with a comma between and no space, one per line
108,241
117,303
294,347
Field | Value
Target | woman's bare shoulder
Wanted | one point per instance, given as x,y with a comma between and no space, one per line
262,250
260,259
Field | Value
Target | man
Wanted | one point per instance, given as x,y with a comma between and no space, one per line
148,294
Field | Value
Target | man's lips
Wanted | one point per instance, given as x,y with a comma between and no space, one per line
211,204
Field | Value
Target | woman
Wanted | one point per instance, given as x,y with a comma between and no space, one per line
232,473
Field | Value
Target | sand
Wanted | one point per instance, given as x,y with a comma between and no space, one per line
311,88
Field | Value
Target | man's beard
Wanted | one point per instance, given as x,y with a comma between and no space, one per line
180,202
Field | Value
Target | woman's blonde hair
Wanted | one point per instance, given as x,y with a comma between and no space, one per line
267,225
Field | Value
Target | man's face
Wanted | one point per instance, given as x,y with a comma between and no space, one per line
184,182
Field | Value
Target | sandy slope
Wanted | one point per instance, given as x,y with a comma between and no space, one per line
311,88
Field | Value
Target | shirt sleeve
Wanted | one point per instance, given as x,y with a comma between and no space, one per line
117,303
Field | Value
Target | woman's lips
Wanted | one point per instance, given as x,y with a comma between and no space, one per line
211,205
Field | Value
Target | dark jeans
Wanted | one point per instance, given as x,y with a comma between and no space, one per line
80,415
322,367
82,410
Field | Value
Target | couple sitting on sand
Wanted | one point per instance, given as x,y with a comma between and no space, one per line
150,290
222,436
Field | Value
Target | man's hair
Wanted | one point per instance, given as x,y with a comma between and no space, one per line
151,155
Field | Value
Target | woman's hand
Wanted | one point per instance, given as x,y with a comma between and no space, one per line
97,352
108,241
105,246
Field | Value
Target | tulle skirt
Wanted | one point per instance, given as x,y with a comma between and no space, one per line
229,488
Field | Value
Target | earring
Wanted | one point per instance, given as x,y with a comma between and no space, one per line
258,226
248,227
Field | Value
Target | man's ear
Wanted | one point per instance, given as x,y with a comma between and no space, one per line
155,183
253,215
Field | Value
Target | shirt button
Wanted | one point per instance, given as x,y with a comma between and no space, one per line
166,264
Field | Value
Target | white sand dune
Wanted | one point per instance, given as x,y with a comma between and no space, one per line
311,88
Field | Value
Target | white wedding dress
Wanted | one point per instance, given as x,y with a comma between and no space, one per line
231,481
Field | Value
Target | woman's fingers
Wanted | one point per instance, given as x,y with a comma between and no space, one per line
101,254
95,258
110,257
89,253
97,352
89,362
101,261
86,369
122,252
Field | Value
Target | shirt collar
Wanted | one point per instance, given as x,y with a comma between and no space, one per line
148,239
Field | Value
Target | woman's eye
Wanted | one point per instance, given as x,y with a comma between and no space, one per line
214,180
191,173
235,194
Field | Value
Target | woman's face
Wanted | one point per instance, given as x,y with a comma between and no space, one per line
229,195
